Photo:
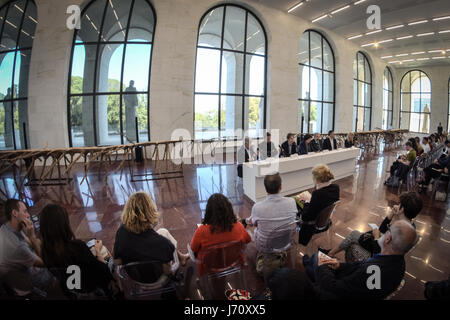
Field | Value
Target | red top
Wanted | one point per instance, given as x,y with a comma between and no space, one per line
204,238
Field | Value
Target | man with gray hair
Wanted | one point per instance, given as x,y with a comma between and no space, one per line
374,278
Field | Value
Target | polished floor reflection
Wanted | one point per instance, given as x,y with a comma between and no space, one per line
95,210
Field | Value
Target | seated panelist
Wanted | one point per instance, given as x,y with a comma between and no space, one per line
289,147
304,146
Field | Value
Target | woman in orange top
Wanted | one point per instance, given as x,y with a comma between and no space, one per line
220,225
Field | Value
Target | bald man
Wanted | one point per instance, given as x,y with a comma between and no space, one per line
374,278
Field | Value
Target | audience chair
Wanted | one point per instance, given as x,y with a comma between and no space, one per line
146,281
322,227
15,286
223,269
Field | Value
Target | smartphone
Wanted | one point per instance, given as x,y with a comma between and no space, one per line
323,255
91,243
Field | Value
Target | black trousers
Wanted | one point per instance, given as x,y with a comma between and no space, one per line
399,170
431,173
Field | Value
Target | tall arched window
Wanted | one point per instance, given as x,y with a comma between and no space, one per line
415,110
316,94
108,101
230,74
388,99
362,93
18,21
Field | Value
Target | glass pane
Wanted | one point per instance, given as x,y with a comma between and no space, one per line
232,72
328,59
206,116
254,111
303,55
425,103
108,120
135,107
316,84
328,86
304,82
137,66
315,117
21,73
406,84
91,22
360,126
254,79
116,19
415,81
207,71
425,83
234,32
406,102
367,95
391,87
142,22
83,69
404,120
316,50
12,26
355,118
367,117
6,74
361,74
355,69
6,124
384,120
355,92
210,31
389,120
81,118
230,116
305,116
327,118
415,101
20,123
361,93
367,72
414,122
109,68
28,26
255,36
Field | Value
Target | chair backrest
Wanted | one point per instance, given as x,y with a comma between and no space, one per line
223,256
144,280
277,239
17,280
324,216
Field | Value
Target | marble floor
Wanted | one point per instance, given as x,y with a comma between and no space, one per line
95,210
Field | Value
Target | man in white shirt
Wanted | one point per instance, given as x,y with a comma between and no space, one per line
425,145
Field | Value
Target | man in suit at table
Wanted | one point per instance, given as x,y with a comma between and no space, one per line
289,147
316,143
304,146
245,154
267,148
330,142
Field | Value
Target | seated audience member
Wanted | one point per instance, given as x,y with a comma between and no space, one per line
60,249
325,194
245,154
330,142
288,284
420,149
361,246
136,239
304,146
435,170
437,290
20,251
349,142
446,149
279,211
425,145
400,167
335,280
267,148
219,225
414,144
316,143
289,147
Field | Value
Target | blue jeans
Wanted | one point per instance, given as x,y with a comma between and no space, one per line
311,266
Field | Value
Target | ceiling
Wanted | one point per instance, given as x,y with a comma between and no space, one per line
352,22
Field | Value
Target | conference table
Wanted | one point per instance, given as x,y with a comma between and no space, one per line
295,171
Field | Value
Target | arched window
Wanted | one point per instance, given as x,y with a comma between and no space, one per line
316,94
362,93
230,74
415,110
110,73
388,99
18,21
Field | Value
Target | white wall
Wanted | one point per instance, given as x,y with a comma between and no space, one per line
173,65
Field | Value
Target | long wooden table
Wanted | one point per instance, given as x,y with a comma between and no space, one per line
295,171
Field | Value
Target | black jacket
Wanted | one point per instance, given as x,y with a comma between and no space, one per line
303,148
320,199
285,149
350,280
327,144
315,145
349,144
